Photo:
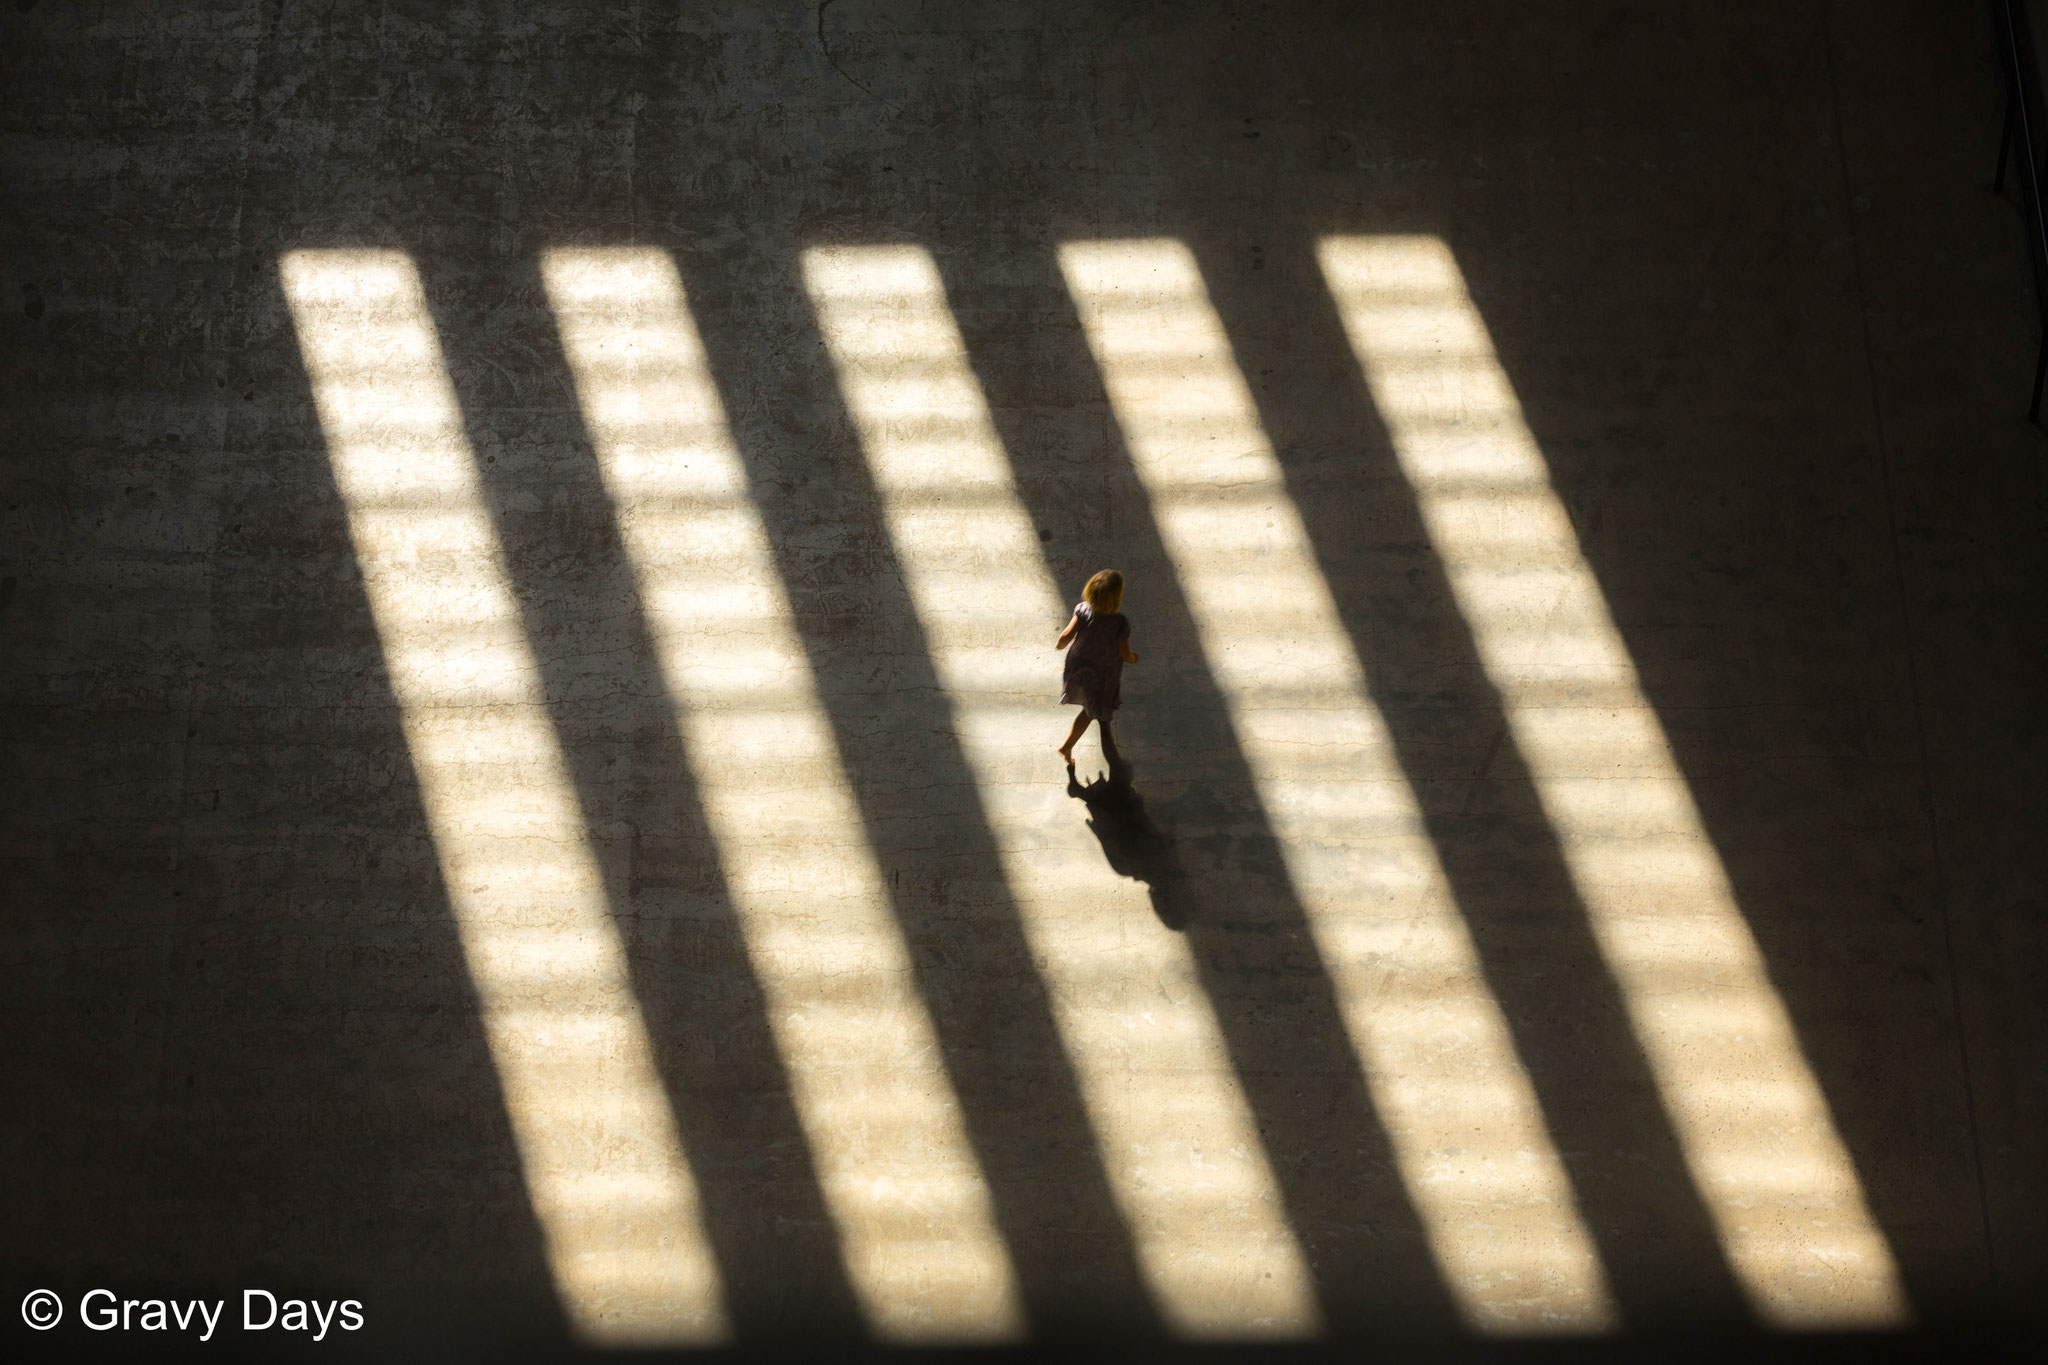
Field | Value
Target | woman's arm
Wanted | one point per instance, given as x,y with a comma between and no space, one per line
1068,634
1123,647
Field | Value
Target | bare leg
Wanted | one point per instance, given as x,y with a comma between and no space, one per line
1074,737
1109,749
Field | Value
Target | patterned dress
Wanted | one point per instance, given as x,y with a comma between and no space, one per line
1095,663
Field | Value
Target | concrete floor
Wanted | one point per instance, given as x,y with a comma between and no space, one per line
528,791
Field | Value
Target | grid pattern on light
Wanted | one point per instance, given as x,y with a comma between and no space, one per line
1182,1152
604,1167
1750,1116
884,1126
1494,1198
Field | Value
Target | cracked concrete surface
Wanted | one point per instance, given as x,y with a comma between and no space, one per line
1769,332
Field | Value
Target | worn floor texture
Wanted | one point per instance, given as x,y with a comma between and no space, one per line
533,535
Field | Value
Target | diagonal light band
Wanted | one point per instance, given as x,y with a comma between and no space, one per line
1750,1116
1467,1132
884,1126
603,1164
1180,1147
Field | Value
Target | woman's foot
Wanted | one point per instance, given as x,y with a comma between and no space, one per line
1066,752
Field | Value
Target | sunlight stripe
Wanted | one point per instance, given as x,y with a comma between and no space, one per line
1750,1116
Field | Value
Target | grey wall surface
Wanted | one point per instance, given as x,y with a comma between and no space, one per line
1741,262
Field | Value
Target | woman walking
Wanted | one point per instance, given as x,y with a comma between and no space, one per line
1098,645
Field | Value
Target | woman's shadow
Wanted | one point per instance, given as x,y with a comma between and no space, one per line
1135,847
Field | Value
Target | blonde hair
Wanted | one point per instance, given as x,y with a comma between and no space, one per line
1105,592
